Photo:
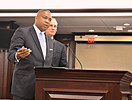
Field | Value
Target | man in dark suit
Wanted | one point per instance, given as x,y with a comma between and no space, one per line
59,48
26,51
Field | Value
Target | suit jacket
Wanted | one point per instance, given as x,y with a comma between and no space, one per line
59,55
23,80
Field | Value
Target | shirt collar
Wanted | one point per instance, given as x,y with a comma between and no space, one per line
36,29
52,37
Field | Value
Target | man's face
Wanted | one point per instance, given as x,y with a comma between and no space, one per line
42,21
51,31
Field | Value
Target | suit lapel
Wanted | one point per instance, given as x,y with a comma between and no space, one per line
36,40
49,47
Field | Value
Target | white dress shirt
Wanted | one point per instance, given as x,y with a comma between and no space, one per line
38,34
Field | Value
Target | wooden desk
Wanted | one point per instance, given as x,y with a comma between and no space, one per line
74,84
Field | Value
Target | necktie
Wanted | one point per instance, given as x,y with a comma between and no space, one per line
43,44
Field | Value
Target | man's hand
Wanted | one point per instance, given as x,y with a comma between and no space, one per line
22,53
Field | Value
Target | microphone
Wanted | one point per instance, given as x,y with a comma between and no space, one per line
67,45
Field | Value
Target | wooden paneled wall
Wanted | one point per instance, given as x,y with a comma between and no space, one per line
6,70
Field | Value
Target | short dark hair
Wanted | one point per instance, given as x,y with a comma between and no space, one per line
41,10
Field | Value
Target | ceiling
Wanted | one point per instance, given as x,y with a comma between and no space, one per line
67,25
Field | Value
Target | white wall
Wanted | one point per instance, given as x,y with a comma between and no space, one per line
104,56
64,4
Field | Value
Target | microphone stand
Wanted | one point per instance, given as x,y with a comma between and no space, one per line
74,55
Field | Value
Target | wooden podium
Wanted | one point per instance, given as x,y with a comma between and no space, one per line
75,84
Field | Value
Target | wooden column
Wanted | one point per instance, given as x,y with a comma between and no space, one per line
6,70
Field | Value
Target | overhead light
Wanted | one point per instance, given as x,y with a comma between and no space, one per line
119,28
91,30
126,24
18,14
64,14
95,35
91,14
129,30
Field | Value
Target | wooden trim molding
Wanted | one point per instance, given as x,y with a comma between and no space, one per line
67,10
